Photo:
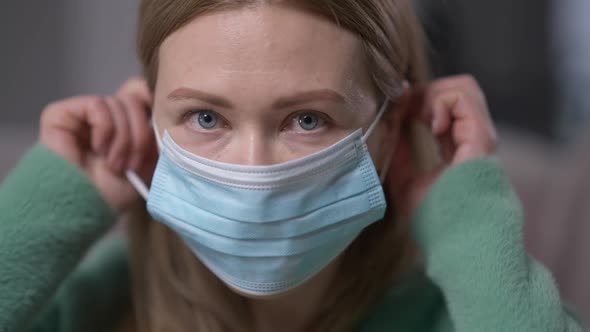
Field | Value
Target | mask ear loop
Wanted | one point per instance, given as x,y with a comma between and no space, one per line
383,175
376,121
157,133
138,184
132,176
144,191
372,128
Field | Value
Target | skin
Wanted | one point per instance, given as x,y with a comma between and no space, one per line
251,64
264,66
267,62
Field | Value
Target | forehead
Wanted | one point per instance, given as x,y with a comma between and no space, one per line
269,45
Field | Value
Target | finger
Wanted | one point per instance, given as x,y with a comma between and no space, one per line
454,105
121,144
101,126
75,115
141,132
456,121
442,107
447,147
137,87
466,83
429,106
466,86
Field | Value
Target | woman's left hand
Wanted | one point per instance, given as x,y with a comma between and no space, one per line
456,111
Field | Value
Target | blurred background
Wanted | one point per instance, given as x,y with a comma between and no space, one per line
531,57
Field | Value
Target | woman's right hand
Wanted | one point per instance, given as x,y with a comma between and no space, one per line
105,136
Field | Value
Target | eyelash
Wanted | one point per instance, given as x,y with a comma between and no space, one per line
186,117
326,120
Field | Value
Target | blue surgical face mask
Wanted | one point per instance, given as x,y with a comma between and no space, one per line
266,229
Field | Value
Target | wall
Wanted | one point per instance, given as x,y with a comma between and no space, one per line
55,49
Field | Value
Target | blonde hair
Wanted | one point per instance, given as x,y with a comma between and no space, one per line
172,290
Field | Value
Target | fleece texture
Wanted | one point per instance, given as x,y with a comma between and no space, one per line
50,214
477,275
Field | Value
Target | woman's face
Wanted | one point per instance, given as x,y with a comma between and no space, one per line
264,85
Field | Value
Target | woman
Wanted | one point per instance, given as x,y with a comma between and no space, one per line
275,123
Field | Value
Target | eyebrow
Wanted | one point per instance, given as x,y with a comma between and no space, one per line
186,93
283,102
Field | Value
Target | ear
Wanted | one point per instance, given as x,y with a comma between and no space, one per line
400,143
402,171
401,110
394,121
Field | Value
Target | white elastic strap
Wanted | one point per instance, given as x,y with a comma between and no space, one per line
138,184
157,133
134,179
383,175
376,121
143,190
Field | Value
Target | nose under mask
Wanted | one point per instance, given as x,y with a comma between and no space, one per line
266,229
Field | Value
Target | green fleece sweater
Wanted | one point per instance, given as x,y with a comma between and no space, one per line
478,276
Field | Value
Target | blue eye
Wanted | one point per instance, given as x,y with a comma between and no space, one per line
308,121
207,119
